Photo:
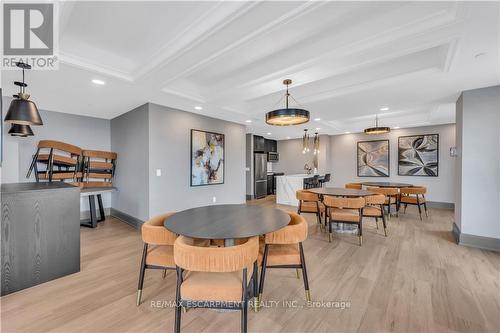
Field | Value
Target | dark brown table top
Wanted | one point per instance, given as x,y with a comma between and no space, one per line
387,184
340,192
227,221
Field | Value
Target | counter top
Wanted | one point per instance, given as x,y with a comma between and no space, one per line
24,187
300,175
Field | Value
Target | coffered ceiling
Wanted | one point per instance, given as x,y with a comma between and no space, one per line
347,60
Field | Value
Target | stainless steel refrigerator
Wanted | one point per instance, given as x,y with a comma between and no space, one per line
260,175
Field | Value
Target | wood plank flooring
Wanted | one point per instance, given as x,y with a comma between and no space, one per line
415,280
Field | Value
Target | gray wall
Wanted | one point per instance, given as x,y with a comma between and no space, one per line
85,132
478,143
169,150
292,160
130,139
440,189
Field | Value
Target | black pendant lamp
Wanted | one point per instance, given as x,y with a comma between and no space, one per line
287,116
22,111
20,130
377,129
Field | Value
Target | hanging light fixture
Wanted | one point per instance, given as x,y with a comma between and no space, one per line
316,143
287,116
377,129
22,111
305,142
20,130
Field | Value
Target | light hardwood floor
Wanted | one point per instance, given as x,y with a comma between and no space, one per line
415,280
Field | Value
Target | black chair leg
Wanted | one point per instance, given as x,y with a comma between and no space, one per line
178,310
330,230
93,218
419,211
425,207
263,273
255,286
360,229
304,272
141,274
384,221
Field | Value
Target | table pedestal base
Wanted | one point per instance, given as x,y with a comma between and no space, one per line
344,228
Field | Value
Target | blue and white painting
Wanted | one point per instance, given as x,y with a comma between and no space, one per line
207,158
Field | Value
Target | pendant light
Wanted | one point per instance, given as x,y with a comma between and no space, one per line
377,129
20,130
305,142
22,111
316,143
287,116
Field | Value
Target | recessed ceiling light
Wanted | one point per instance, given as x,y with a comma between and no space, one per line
248,121
347,132
269,133
396,127
288,138
317,128
385,108
317,119
99,82
198,108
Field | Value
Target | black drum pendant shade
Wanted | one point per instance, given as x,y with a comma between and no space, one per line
20,130
22,111
287,116
377,129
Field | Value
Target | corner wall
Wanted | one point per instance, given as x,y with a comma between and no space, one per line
478,145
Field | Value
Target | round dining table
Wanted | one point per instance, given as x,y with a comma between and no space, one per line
341,192
386,184
227,222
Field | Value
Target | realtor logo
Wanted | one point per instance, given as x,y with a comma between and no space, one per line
29,35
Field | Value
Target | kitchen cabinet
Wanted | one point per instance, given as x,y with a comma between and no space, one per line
259,144
271,146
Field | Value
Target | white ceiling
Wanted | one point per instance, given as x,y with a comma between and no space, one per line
347,60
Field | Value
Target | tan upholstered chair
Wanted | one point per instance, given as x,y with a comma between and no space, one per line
158,252
375,208
218,277
414,196
98,168
354,186
61,161
345,210
391,197
283,249
309,203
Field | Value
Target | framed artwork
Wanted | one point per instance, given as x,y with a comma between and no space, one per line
373,158
418,155
207,158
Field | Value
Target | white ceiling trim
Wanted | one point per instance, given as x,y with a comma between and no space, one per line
75,61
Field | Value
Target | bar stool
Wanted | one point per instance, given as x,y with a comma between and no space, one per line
325,179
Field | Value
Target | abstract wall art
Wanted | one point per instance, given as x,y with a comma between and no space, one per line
373,158
207,158
418,155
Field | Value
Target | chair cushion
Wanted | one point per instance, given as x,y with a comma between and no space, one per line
281,254
205,286
349,215
310,207
160,255
372,211
411,199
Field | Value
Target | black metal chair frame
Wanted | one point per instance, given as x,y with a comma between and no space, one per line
210,304
301,266
142,271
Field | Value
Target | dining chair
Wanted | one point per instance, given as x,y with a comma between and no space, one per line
61,161
310,203
98,168
283,249
218,277
344,210
391,197
158,248
354,186
375,208
414,196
